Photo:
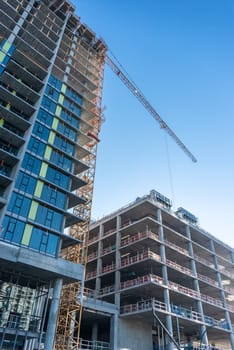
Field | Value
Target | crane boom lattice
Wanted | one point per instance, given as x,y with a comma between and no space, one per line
139,95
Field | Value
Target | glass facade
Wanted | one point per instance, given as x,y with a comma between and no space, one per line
6,50
36,211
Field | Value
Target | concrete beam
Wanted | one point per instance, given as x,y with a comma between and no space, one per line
38,265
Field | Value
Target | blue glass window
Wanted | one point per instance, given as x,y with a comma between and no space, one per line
52,93
55,82
12,229
40,240
36,146
31,163
52,195
72,107
25,183
19,204
65,146
60,160
72,94
49,218
67,132
45,117
52,244
69,118
41,131
57,178
44,242
47,103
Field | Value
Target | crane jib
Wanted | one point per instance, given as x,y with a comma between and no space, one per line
139,95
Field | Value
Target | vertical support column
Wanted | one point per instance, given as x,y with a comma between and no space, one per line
204,338
165,279
99,260
232,257
95,331
53,314
223,298
117,261
114,332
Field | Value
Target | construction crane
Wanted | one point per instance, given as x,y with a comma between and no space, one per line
139,95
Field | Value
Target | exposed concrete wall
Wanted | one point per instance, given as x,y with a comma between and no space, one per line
134,335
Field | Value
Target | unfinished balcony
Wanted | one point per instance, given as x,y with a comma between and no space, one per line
36,32
31,64
19,87
31,59
15,101
24,75
9,15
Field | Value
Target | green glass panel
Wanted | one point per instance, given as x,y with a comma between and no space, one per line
2,56
6,46
48,152
61,98
55,123
64,88
27,234
58,111
33,210
51,137
43,170
38,189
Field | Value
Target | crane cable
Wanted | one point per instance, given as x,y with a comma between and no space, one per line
170,173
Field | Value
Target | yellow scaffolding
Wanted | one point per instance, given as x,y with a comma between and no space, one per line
70,312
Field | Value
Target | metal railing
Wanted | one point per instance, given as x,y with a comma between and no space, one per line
93,345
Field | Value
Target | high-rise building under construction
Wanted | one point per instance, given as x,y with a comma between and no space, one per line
51,71
154,279
170,283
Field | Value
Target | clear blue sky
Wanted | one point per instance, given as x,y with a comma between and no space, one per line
181,55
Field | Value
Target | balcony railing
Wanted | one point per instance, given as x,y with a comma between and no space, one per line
108,268
93,345
139,257
139,236
107,290
152,304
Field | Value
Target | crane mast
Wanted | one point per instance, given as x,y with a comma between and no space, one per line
139,95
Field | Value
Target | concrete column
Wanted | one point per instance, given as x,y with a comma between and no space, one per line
53,314
99,266
117,261
222,293
101,230
165,279
114,329
97,286
232,256
99,260
204,338
98,279
95,331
